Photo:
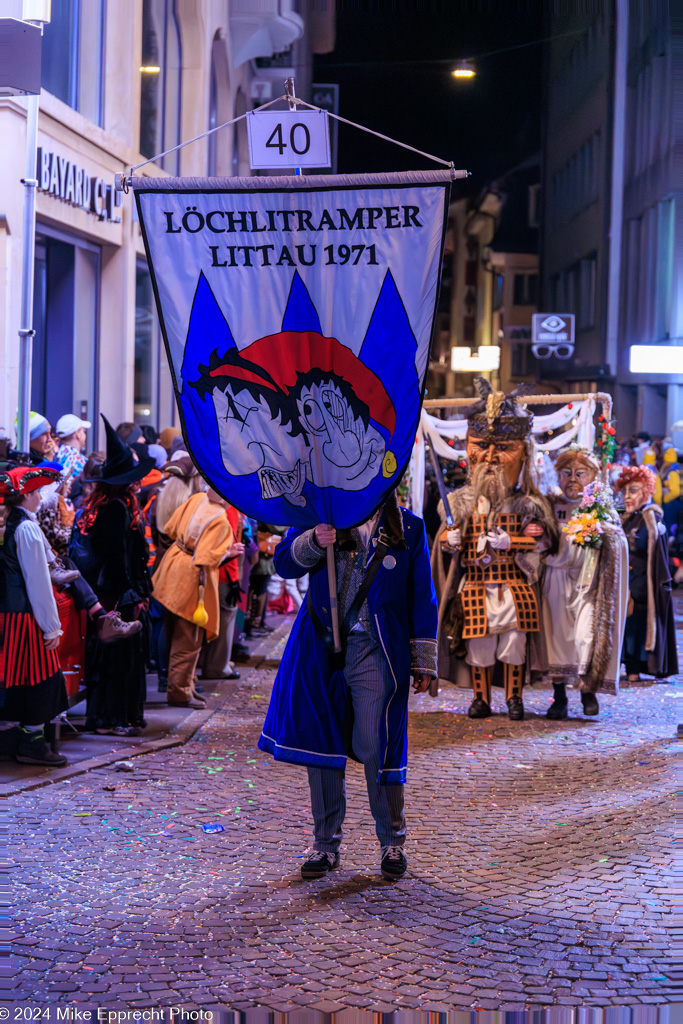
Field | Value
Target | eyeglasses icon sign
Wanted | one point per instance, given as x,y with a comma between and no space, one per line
553,324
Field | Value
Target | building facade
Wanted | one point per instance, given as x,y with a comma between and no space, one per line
490,283
612,240
123,82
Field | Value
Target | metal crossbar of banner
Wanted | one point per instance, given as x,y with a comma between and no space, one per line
123,182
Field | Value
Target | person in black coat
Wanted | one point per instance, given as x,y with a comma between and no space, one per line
110,549
650,635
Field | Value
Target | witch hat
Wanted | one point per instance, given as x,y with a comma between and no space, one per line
121,466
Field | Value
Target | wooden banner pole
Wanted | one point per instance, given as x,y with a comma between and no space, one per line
334,611
602,397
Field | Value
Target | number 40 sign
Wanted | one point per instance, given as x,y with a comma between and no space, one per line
288,138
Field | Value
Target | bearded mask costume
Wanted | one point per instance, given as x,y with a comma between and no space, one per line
650,635
488,599
585,593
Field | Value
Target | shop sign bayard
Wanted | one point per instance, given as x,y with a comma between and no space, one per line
65,180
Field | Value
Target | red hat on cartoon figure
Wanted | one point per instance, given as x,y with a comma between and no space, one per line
284,356
24,479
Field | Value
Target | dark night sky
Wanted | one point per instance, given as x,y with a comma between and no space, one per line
486,125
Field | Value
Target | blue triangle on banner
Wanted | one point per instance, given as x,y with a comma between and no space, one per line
208,331
389,348
300,314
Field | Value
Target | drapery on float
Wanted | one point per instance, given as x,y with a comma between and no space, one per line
572,423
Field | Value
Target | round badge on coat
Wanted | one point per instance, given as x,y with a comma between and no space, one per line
389,562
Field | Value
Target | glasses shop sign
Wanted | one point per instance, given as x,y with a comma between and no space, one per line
553,334
65,180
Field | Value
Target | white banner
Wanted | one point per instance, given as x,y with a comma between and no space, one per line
298,316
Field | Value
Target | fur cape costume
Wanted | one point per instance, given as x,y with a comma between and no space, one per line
610,601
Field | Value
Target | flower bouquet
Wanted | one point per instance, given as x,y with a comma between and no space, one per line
597,507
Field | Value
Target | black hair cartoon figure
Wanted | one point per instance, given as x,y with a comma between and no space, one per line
317,429
298,411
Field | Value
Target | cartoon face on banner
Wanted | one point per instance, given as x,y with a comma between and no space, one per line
302,430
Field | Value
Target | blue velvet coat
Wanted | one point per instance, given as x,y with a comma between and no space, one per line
305,721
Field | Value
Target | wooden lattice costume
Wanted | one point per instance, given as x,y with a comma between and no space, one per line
488,598
501,570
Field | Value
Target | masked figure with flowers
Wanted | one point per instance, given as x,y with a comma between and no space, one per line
585,586
650,635
488,597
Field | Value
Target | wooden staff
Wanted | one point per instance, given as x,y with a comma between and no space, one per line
334,611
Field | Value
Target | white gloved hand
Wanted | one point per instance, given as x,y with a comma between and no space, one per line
454,538
498,539
662,529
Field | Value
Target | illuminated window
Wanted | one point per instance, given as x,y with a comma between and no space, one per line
73,55
160,82
146,348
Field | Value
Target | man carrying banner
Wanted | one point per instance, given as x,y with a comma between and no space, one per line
326,708
488,598
299,374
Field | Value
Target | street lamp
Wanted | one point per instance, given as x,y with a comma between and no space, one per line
464,69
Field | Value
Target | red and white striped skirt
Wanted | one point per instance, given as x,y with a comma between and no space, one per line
23,658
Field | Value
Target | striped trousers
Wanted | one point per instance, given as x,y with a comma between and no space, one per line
369,681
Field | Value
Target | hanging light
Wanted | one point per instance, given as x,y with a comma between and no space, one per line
464,69
150,69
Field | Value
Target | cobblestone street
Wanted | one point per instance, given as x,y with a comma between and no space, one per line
539,870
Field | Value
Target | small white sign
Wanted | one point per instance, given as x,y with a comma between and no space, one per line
288,138
662,359
552,334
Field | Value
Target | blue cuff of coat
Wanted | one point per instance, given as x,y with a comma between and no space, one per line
305,551
392,776
423,656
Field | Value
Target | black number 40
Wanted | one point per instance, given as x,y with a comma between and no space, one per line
277,142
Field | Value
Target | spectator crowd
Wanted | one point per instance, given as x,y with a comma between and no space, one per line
128,553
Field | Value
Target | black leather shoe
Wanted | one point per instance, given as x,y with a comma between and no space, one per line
590,704
32,748
394,864
479,709
319,864
515,709
557,710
